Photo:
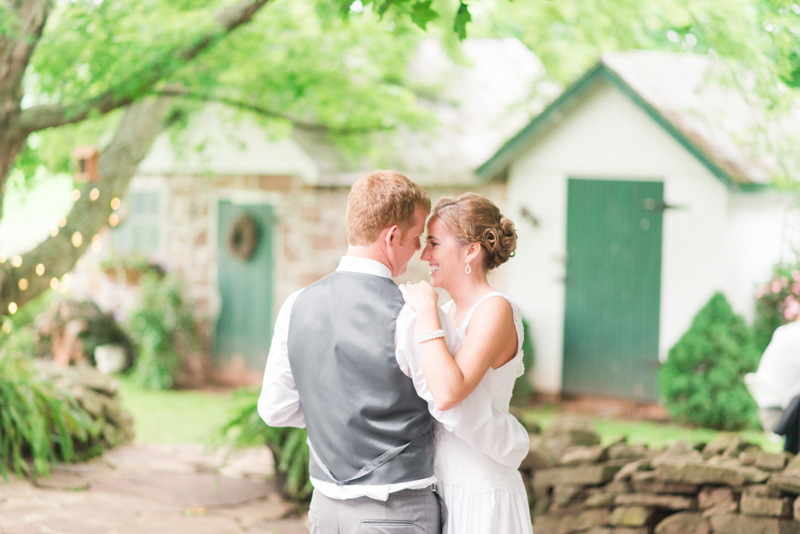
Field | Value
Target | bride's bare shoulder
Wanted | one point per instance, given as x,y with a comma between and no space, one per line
495,310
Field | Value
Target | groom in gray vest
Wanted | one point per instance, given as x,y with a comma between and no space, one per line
345,364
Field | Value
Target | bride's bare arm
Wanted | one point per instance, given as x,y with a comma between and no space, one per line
490,342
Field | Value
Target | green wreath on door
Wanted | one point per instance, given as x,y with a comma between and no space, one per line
243,237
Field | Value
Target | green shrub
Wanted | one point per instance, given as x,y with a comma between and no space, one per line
129,261
777,303
523,387
160,328
28,313
37,422
702,380
288,445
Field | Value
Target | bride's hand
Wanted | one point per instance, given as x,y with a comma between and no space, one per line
419,296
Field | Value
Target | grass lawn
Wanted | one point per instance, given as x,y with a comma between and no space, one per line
652,434
173,417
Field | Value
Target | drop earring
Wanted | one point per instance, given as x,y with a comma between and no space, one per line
467,269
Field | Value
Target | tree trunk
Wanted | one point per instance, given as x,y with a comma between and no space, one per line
26,20
10,145
137,130
142,122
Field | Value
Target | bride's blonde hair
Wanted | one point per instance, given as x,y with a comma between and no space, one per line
472,218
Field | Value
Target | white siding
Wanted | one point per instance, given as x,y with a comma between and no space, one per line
761,226
214,143
608,137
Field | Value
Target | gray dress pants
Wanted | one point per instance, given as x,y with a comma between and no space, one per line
405,512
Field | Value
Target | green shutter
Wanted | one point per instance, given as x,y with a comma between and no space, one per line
613,287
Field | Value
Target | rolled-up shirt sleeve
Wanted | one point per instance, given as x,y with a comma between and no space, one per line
493,432
279,403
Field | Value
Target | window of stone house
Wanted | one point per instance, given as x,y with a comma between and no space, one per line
140,229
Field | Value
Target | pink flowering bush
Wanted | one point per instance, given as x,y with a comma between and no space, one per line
777,303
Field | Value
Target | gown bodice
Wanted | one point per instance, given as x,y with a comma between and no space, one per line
456,462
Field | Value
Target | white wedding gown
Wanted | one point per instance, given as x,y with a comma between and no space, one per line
482,496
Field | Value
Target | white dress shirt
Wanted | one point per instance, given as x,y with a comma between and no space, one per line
779,369
493,432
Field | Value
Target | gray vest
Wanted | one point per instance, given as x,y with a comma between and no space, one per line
365,421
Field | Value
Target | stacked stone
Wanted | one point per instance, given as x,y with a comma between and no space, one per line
97,394
70,330
728,486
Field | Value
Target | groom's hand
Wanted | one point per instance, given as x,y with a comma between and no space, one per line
421,296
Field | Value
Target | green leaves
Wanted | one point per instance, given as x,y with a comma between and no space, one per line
422,13
779,24
461,20
772,300
9,22
87,49
522,386
37,422
161,328
345,6
288,445
383,7
703,378
301,59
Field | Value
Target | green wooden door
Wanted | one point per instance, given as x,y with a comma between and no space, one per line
613,286
244,326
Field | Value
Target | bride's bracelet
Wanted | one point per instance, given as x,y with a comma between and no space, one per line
430,336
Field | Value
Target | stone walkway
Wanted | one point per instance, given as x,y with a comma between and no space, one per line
152,489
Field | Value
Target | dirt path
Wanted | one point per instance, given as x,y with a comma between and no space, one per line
152,489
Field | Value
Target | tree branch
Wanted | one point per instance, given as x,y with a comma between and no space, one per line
136,132
174,91
48,116
16,48
24,24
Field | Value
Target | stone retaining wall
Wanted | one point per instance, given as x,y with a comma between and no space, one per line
726,486
97,394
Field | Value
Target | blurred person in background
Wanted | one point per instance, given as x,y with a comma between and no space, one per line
775,386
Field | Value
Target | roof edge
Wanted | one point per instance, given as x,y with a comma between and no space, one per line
511,149
674,131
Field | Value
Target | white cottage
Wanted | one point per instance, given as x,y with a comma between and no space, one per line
185,200
640,200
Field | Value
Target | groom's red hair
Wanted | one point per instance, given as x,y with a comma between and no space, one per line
380,200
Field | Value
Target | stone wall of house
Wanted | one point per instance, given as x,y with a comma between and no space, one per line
312,237
727,486
187,242
309,234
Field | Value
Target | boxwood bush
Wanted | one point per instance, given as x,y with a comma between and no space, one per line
702,381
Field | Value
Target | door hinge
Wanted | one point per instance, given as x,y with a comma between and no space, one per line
651,204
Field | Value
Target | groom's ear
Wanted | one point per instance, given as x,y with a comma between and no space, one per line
392,235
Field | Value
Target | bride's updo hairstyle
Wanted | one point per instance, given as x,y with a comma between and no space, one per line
472,218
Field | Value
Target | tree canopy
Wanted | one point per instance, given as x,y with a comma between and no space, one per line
568,35
77,71
300,64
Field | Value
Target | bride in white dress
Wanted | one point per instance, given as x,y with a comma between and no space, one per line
467,237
